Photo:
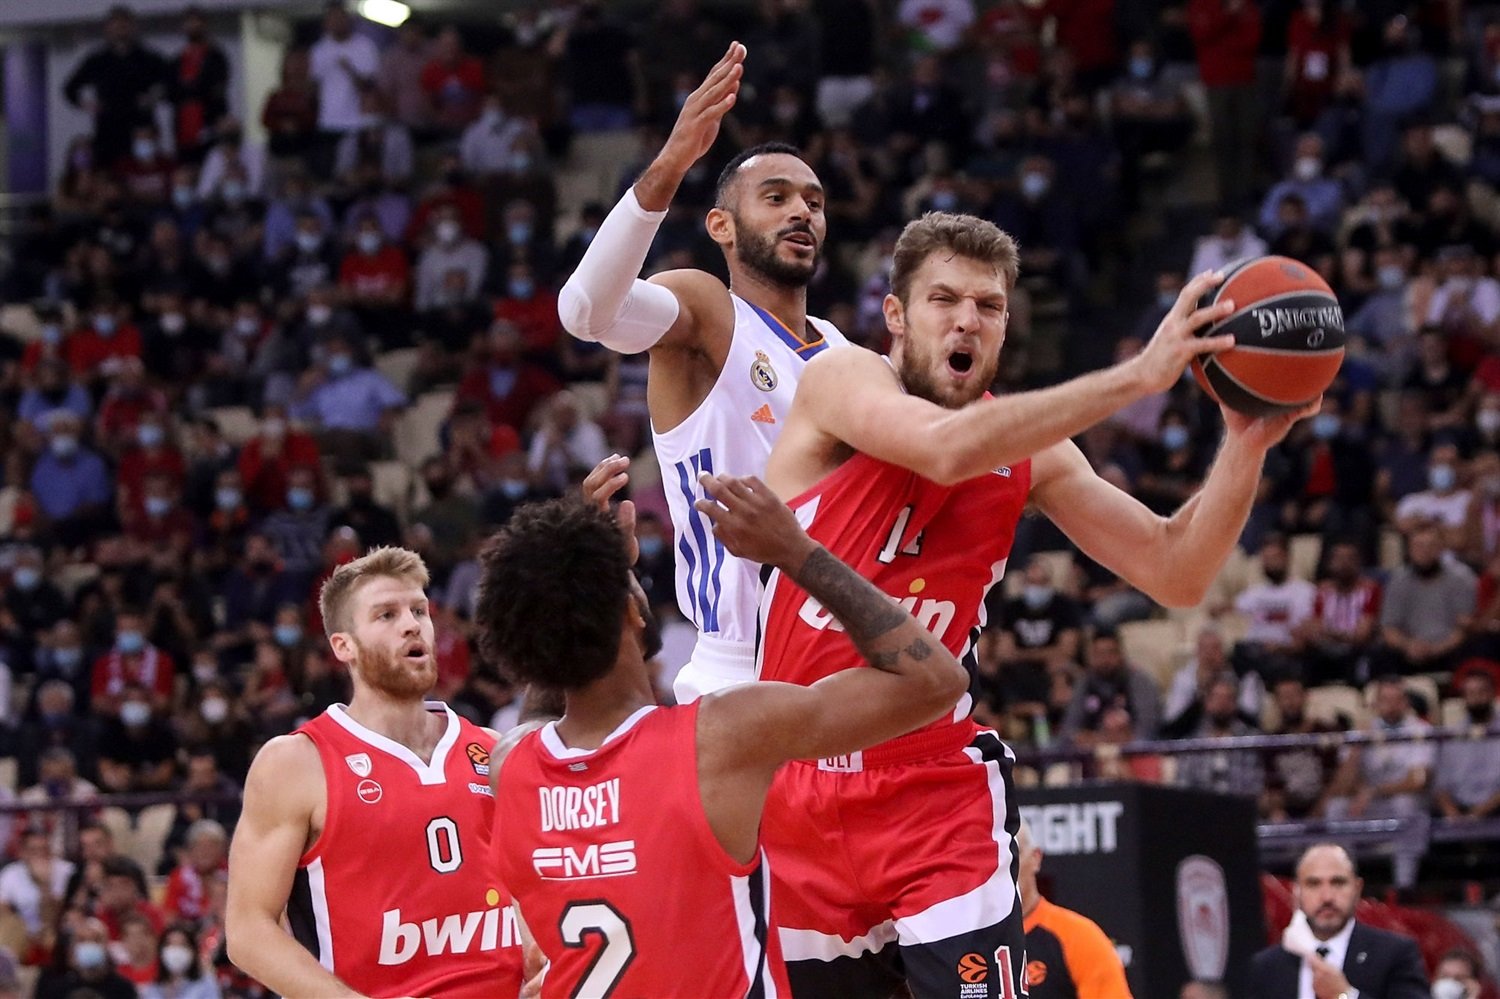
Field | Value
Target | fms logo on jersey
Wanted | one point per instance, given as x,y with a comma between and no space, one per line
479,757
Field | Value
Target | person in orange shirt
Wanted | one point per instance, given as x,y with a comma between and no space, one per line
1067,955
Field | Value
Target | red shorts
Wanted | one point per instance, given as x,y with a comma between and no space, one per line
909,867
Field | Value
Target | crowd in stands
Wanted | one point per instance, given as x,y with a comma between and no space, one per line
235,357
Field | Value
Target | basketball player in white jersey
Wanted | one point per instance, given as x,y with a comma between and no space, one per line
724,362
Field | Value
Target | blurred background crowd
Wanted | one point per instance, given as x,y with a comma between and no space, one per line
241,345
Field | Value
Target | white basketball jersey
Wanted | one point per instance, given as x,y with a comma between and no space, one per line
731,432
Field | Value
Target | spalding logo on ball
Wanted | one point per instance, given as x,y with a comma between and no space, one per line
1288,334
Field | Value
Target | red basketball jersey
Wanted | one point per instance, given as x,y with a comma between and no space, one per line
618,875
936,550
396,897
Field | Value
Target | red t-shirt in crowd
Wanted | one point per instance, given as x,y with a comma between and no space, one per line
535,318
265,474
151,668
1226,42
377,274
86,350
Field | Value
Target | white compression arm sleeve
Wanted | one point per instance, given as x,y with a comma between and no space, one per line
603,300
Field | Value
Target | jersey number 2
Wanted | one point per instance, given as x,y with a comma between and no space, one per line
586,919
892,546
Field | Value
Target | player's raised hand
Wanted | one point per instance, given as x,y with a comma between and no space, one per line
600,485
1265,432
752,522
698,122
1176,340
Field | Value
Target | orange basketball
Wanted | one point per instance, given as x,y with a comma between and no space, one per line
1289,337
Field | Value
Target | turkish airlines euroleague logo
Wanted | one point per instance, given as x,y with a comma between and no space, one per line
479,757
973,969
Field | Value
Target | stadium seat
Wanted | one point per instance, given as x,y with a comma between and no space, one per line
393,486
397,365
20,321
1234,626
8,768
236,423
1419,686
1327,703
1452,714
1153,646
1305,550
416,435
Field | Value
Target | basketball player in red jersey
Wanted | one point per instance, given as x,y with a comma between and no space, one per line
905,470
628,832
370,825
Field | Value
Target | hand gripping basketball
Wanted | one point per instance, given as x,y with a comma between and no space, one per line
1176,341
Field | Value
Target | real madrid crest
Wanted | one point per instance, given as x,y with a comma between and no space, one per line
762,375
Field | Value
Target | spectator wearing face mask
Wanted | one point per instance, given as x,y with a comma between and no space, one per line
525,239
1442,504
105,340
161,522
497,143
137,748
81,964
375,279
33,601
52,387
146,174
151,453
1384,320
182,973
375,524
70,481
1038,635
450,250
1467,775
133,662
1424,608
1172,467
1456,976
266,460
218,728
296,532
532,309
508,387
1333,478
351,405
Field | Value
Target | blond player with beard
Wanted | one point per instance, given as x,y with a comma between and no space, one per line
369,827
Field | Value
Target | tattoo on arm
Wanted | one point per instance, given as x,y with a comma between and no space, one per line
866,614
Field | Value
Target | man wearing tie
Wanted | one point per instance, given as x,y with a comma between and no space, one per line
1325,953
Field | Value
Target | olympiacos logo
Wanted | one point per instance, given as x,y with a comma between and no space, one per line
1203,917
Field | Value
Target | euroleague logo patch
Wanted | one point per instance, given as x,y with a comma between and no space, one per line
369,791
1036,972
973,969
479,757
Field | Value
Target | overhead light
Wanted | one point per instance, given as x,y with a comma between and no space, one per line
391,13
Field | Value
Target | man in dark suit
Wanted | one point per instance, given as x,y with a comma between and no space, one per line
1324,953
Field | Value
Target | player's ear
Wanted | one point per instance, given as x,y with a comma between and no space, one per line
720,226
342,644
895,315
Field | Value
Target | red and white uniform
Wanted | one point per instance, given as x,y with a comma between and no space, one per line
396,897
619,876
925,851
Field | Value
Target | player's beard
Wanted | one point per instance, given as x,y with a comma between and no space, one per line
757,251
921,370
393,675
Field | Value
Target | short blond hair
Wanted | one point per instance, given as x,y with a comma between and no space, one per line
383,562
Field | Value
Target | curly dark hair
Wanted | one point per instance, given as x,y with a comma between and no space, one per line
732,168
555,585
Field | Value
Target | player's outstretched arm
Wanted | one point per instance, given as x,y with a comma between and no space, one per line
915,679
268,841
854,397
1173,560
604,300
